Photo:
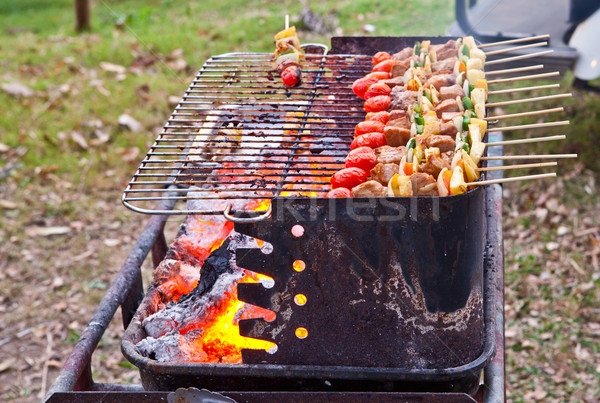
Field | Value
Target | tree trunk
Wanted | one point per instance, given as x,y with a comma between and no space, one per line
82,14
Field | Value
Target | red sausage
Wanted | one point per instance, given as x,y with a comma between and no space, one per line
338,192
368,126
361,85
385,65
373,140
363,158
348,178
380,56
378,103
381,116
377,89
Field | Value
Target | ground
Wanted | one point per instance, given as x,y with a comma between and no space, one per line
65,160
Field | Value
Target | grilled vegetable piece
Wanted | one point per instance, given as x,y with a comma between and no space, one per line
457,182
348,178
400,185
376,89
286,58
381,116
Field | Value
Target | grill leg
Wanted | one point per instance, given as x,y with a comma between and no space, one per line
159,249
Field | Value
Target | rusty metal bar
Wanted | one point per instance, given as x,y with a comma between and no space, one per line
76,372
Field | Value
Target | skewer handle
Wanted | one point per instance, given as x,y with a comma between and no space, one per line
525,141
511,90
522,114
530,126
520,57
527,157
515,48
519,166
530,77
512,179
511,41
515,70
518,101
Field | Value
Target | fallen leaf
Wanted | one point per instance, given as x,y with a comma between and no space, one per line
6,364
113,68
101,137
4,148
18,90
47,231
173,100
110,242
130,154
7,204
58,282
79,139
130,123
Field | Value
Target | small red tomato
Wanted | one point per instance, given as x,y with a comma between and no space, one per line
385,65
361,85
363,158
338,192
368,126
348,178
381,116
291,76
372,140
379,75
378,103
380,56
377,89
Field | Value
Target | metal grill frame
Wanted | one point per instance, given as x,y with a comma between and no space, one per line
176,157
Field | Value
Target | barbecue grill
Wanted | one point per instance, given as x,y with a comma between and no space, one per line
239,137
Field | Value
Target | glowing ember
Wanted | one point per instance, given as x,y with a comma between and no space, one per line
220,340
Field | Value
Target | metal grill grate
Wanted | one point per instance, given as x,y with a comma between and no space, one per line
239,134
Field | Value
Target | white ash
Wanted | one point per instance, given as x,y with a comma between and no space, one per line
219,274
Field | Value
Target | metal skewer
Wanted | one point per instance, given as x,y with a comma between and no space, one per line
511,41
518,101
530,77
511,90
513,179
519,166
529,126
522,114
525,141
520,57
515,70
525,157
514,48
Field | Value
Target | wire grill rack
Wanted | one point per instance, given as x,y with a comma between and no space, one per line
240,135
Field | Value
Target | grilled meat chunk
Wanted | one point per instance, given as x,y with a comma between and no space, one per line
445,51
388,155
392,82
396,136
400,66
403,54
434,165
423,184
448,105
402,99
441,80
369,189
444,143
451,92
444,65
448,129
397,114
384,172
